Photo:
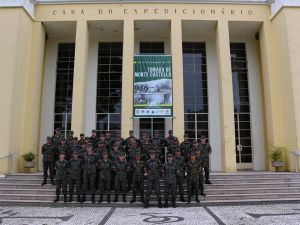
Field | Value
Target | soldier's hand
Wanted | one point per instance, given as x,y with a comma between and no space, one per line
145,174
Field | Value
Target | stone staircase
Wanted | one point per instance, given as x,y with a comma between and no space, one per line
241,187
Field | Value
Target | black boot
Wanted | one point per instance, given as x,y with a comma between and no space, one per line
124,198
52,181
146,205
159,203
71,198
108,198
142,198
208,182
56,199
202,193
83,199
173,203
101,199
133,198
44,182
65,198
197,199
93,198
189,199
182,198
116,198
166,203
78,198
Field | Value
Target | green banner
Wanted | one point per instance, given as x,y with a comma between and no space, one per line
153,86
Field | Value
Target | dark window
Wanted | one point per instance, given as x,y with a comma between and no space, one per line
152,48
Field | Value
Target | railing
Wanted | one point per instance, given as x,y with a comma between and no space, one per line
296,155
9,157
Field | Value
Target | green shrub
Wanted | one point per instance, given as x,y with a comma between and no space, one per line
29,157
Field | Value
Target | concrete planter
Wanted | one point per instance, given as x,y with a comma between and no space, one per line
29,164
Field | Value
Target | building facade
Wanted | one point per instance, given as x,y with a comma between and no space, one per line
235,73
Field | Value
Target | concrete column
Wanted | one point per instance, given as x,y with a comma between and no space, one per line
177,70
80,75
127,77
226,97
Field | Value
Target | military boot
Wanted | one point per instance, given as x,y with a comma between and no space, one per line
65,198
83,199
78,198
44,181
182,198
101,199
142,198
108,198
146,205
124,198
159,203
197,199
133,198
52,181
71,198
189,199
202,193
93,198
173,203
56,199
116,198
166,203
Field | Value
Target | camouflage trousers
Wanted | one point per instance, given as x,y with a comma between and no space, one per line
104,186
75,182
137,185
170,186
179,183
150,185
120,185
61,183
193,187
88,180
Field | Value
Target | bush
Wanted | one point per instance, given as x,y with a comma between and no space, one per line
276,155
29,157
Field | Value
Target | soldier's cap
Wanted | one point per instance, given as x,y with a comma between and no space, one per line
86,138
170,155
62,139
122,154
62,153
132,142
192,154
195,141
93,131
177,150
90,146
152,152
58,129
105,153
49,138
138,153
101,142
131,131
75,138
71,132
118,132
75,152
170,131
115,145
82,135
203,137
175,139
186,135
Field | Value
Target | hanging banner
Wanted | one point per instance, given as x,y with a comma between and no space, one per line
153,86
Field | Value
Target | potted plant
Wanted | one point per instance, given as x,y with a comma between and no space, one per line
277,157
29,157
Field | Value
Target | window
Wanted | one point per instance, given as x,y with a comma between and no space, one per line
151,48
195,89
109,87
64,87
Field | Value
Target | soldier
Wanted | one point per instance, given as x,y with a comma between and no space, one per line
130,156
193,171
89,173
56,137
127,140
205,152
81,140
180,162
198,158
121,168
142,138
107,140
99,151
105,167
61,166
48,151
185,146
69,138
74,145
157,140
169,141
75,172
117,138
94,139
193,149
63,147
170,172
137,168
152,171
145,149
172,149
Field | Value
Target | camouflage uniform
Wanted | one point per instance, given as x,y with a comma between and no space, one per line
121,168
193,171
105,167
205,151
170,171
185,146
75,178
61,178
49,151
180,162
137,179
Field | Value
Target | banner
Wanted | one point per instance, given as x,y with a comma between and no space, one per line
153,86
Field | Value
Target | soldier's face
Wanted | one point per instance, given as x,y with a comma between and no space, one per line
105,156
192,157
177,154
152,156
89,151
197,154
131,133
61,157
107,135
156,135
138,157
75,156
202,141
63,142
170,158
48,142
94,134
122,158
186,138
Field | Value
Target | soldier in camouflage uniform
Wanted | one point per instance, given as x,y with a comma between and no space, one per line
193,170
99,151
94,139
69,138
145,149
89,173
152,171
63,147
193,149
170,171
206,150
62,167
137,167
56,138
157,140
105,167
128,140
180,162
81,140
198,158
49,151
121,168
75,172
172,149
185,146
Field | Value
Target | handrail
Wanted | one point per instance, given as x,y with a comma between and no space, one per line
296,156
9,157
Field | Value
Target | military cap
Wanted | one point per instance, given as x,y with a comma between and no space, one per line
118,132
101,142
122,153
170,155
62,153
131,131
75,151
186,135
138,153
192,154
58,129
86,138
195,141
177,150
82,134
90,145
71,132
175,139
75,138
93,131
105,153
170,131
203,137
115,145
49,138
156,132
152,152
62,139
133,142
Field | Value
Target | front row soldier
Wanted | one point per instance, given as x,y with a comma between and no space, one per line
169,171
152,171
61,167
121,168
89,174
105,167
180,162
137,168
75,175
193,171
49,153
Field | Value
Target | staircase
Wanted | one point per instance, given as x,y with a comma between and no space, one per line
238,187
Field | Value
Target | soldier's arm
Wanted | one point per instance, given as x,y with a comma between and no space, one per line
209,148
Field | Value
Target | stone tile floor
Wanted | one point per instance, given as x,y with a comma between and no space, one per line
269,214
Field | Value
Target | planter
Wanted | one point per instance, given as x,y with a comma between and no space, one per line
278,164
29,164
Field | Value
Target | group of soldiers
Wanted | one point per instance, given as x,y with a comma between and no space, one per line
107,163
